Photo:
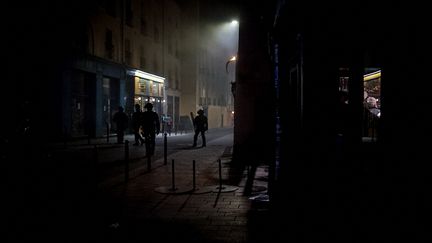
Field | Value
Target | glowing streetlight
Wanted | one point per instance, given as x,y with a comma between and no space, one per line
234,22
234,58
233,83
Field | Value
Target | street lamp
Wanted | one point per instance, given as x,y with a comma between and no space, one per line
234,58
233,84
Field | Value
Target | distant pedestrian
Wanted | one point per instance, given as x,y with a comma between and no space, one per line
137,117
201,126
151,128
121,120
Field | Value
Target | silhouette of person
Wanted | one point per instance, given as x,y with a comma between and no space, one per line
121,120
201,126
136,123
151,128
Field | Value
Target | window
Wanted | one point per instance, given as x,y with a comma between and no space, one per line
143,86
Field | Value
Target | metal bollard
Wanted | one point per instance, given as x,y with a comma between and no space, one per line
126,160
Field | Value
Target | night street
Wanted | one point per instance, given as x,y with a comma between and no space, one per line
290,121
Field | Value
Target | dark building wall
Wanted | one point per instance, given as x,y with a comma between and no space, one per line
317,180
254,125
40,39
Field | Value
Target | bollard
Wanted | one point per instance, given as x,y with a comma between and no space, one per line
126,160
172,189
193,175
195,189
173,176
165,149
223,188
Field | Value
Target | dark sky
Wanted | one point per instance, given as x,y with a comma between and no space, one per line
219,10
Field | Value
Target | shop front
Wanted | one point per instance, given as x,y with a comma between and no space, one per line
149,88
371,104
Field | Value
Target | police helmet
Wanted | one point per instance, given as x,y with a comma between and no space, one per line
149,106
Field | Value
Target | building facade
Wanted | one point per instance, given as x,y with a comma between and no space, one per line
139,51
98,55
132,57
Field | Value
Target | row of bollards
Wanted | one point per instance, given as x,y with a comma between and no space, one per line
195,190
126,158
173,189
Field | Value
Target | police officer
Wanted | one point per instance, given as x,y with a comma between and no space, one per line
201,126
136,123
151,128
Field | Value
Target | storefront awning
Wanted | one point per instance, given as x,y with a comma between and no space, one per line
371,76
149,76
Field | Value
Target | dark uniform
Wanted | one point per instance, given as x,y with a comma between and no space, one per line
201,126
136,123
151,127
121,120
